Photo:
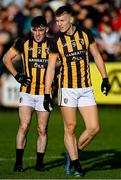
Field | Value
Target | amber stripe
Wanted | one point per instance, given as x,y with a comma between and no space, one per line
34,51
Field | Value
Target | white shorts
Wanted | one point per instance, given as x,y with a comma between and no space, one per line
34,101
76,97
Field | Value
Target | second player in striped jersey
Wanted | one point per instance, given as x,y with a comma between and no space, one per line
34,52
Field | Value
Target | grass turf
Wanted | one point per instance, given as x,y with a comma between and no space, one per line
100,160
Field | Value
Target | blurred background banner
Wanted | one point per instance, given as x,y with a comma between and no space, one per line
10,88
114,74
9,91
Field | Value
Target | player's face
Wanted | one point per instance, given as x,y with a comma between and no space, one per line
64,22
39,33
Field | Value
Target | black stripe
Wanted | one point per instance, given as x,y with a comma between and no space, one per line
24,64
65,49
78,68
85,66
30,44
69,75
62,77
30,48
85,60
39,51
47,57
30,56
47,48
37,81
38,70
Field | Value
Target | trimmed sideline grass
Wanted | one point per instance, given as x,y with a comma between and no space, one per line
101,159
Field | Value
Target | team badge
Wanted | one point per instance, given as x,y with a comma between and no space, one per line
81,41
36,65
74,58
65,100
21,99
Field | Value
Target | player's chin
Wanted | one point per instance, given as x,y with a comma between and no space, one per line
38,40
63,30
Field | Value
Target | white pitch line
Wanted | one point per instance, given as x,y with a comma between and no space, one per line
29,158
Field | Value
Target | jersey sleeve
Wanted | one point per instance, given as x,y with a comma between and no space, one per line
53,49
90,36
18,45
53,46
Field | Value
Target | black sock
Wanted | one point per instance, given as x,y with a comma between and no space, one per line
75,163
19,156
40,157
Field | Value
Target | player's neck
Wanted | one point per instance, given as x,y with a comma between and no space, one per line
70,30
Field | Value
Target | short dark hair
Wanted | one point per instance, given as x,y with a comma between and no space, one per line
38,21
63,9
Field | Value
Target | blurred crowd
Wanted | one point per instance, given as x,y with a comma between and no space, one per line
102,17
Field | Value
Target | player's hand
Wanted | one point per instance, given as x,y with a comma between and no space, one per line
48,102
23,79
105,86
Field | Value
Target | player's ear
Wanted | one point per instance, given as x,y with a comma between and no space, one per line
71,19
47,29
31,29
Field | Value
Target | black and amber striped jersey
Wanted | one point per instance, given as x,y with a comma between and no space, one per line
35,60
73,51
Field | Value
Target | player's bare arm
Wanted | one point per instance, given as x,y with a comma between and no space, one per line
105,86
48,102
50,75
98,60
7,60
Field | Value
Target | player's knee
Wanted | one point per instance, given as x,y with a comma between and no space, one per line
41,131
70,129
94,130
24,128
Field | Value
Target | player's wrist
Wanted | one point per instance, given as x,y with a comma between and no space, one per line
17,76
105,79
47,96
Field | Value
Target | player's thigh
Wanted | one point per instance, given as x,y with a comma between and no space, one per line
25,114
90,116
69,116
42,119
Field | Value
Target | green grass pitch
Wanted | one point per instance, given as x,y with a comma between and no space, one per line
100,160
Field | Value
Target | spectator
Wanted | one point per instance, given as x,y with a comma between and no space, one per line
109,41
115,20
48,13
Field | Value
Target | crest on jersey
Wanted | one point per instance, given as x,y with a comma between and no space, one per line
74,58
81,41
65,100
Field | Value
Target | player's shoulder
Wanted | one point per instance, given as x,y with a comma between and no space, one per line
19,44
83,29
20,40
58,35
48,39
